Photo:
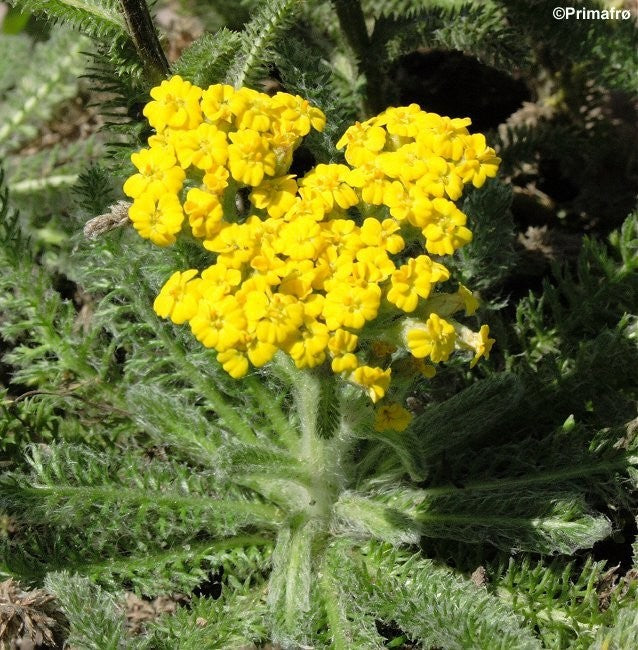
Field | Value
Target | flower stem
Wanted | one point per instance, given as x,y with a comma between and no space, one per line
353,27
142,32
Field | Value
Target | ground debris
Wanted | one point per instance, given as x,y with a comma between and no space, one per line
140,611
28,619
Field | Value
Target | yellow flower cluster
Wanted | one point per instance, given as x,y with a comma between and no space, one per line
305,265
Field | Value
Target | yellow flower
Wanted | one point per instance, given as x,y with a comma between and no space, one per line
407,163
177,300
421,208
296,280
391,416
219,323
342,341
441,179
158,174
480,161
307,349
312,304
402,121
479,342
444,136
204,213
398,199
300,239
273,317
372,181
482,345
235,244
216,103
234,363
205,147
348,306
330,183
470,303
413,280
157,219
381,234
282,142
251,110
297,115
313,208
447,230
270,266
344,363
434,338
216,179
259,352
374,380
218,281
176,105
373,265
362,142
276,196
308,275
249,157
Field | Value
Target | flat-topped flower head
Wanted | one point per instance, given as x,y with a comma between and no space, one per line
329,268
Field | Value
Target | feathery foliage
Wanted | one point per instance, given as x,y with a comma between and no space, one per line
49,78
206,61
255,52
96,620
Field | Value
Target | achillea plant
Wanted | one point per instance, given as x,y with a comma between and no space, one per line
264,402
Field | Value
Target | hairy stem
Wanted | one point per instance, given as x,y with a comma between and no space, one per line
142,31
353,27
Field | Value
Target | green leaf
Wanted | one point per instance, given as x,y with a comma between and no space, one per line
259,40
96,618
96,16
237,619
289,587
429,603
349,624
468,416
207,60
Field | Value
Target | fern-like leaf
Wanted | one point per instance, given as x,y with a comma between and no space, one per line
258,41
207,60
